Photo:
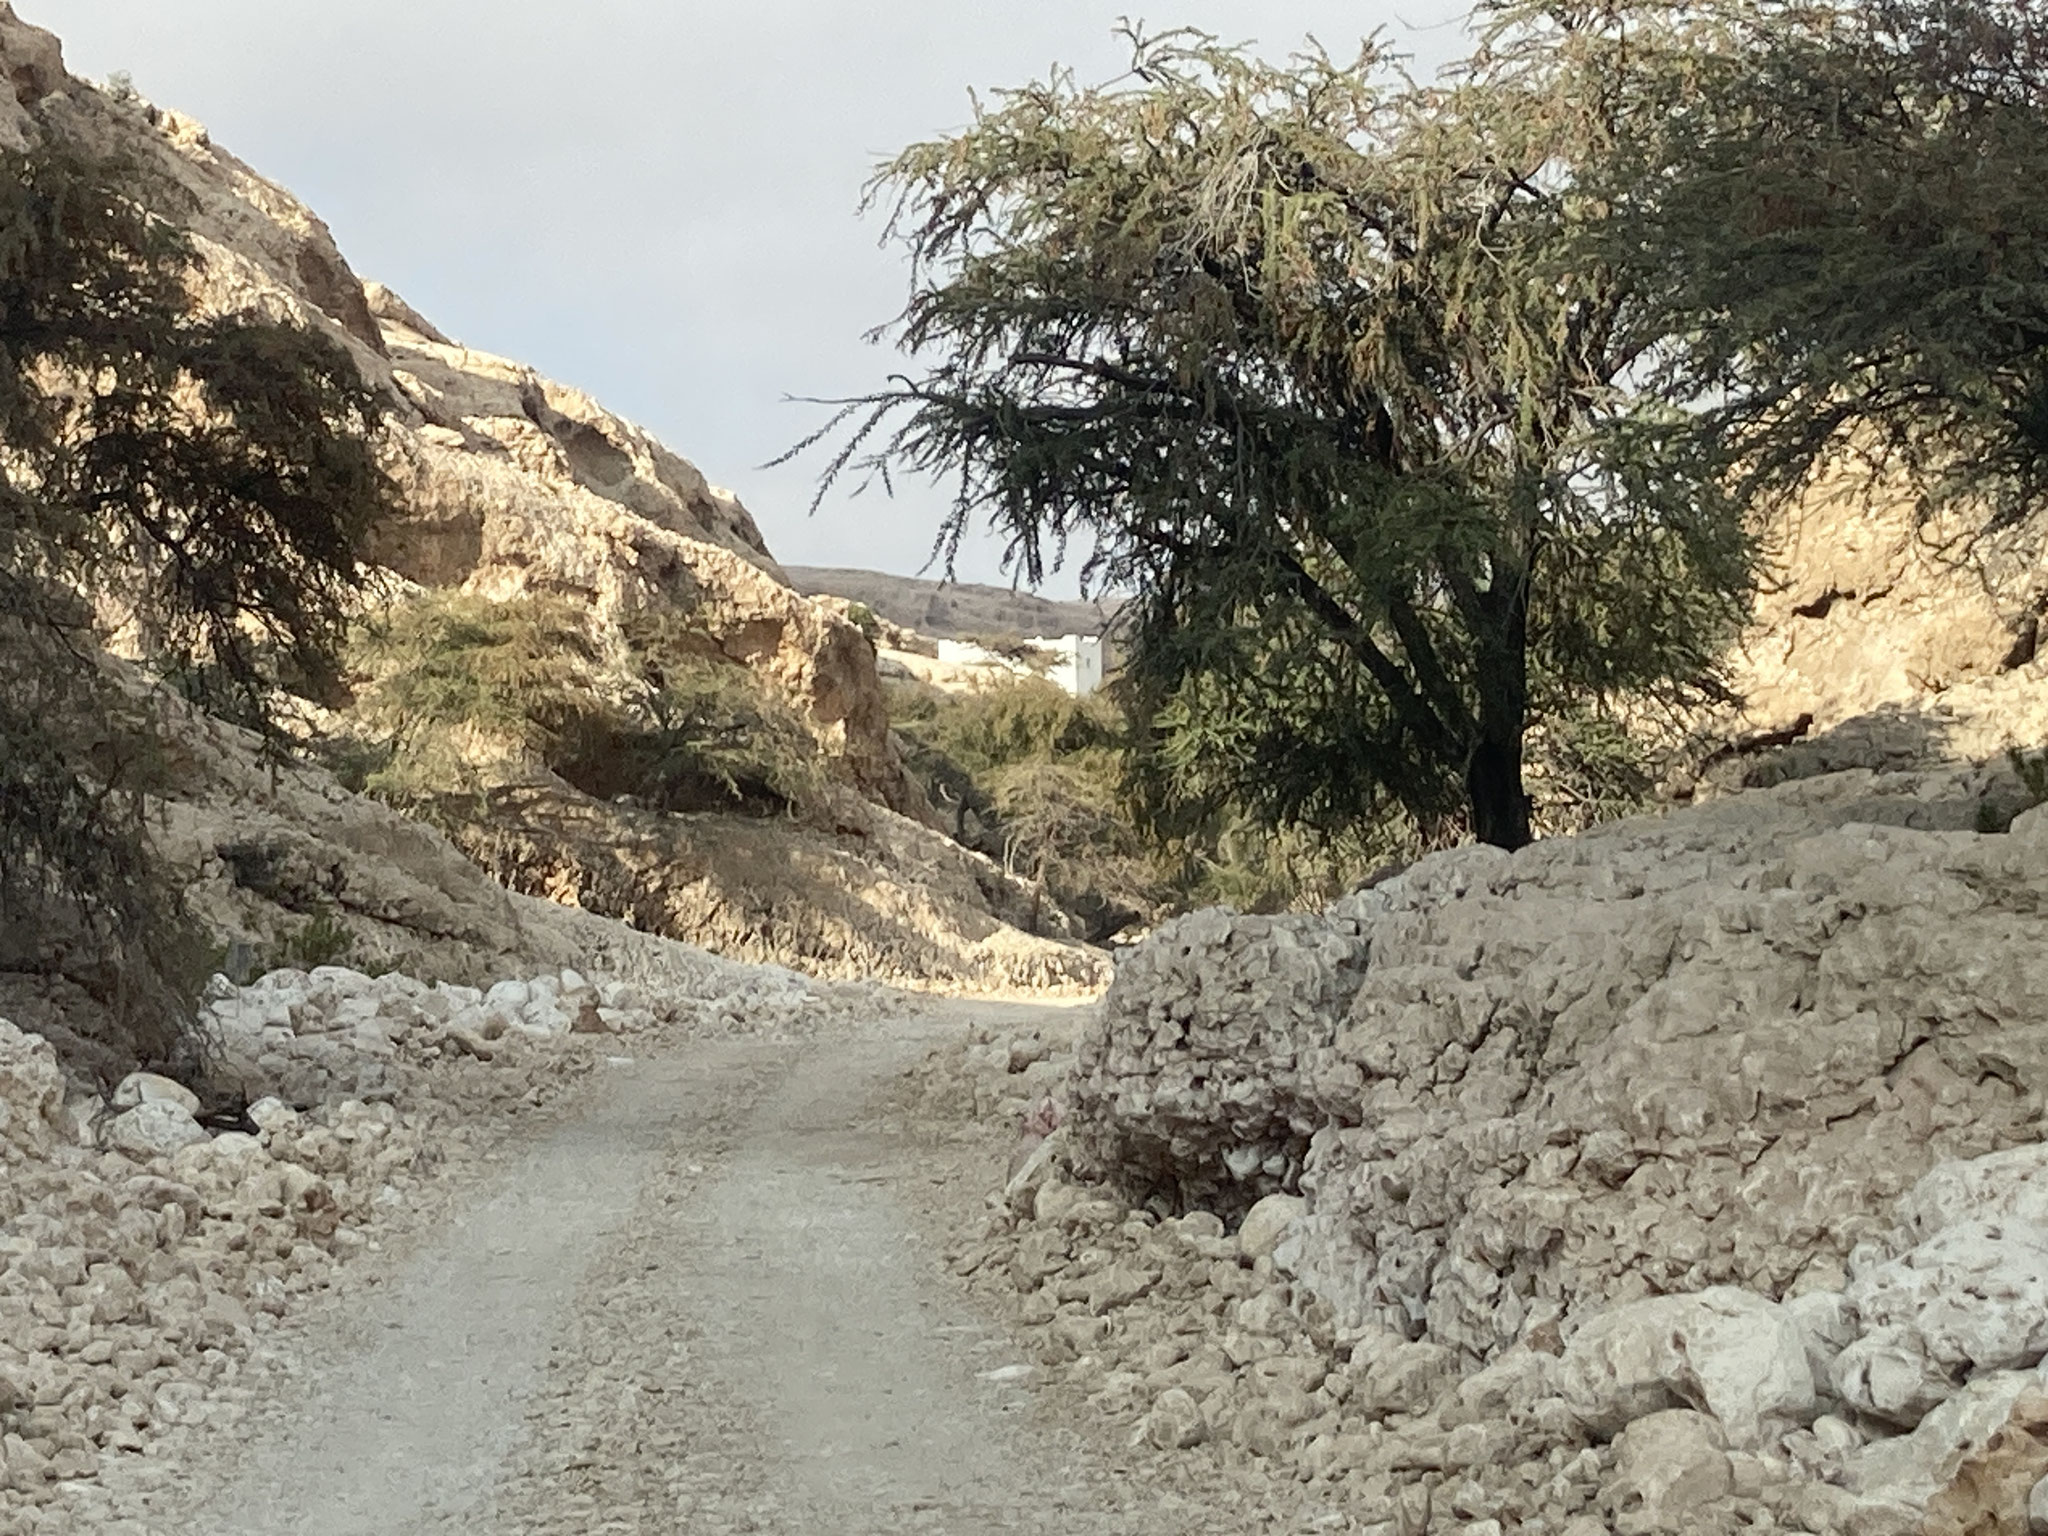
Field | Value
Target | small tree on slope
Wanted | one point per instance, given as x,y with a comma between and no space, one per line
204,484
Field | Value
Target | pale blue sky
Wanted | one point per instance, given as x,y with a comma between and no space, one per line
653,200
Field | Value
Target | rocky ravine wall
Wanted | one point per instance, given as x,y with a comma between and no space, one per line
512,482
1886,638
1685,1176
268,850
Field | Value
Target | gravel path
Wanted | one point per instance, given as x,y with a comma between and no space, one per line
704,1304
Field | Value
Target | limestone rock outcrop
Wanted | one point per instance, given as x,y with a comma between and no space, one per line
1884,636
860,892
1667,1055
1867,605
1684,1175
512,485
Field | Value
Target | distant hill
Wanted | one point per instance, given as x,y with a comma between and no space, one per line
954,610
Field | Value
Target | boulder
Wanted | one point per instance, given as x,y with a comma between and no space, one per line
1267,1224
2000,1488
155,1128
1667,1468
1397,1376
1908,1471
1723,1351
1828,1325
1971,1298
150,1087
1998,1187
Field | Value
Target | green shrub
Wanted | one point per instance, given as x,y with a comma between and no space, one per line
1032,777
463,687
1021,721
457,677
323,940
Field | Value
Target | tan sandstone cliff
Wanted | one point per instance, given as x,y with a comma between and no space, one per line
513,485
1884,637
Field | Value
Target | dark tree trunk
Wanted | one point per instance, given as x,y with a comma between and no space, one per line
1493,788
1493,770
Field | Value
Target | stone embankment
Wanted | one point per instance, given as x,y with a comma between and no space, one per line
1688,1176
153,1236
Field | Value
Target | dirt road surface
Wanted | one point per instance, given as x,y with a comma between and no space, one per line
710,1300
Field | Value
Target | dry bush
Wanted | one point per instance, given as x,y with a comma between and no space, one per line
465,693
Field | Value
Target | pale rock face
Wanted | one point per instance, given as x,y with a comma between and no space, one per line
1970,1299
1267,1224
510,482
1872,608
1889,638
1908,1470
513,484
1724,1351
31,1094
31,67
154,1128
2004,1186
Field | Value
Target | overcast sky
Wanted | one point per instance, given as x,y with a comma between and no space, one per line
653,200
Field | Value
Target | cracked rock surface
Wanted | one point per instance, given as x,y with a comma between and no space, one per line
1685,1175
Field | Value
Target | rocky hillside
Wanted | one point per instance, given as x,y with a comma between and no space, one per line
514,486
1903,638
1686,1176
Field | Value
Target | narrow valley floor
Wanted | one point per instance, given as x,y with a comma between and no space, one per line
710,1300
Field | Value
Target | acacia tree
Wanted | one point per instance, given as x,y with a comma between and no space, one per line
1837,226
1308,358
203,484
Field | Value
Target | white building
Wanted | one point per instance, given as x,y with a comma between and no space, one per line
1075,662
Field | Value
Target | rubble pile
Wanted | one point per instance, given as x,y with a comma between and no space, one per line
1685,1176
150,1237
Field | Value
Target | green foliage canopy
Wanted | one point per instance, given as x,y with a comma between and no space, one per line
1836,226
1310,358
202,485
